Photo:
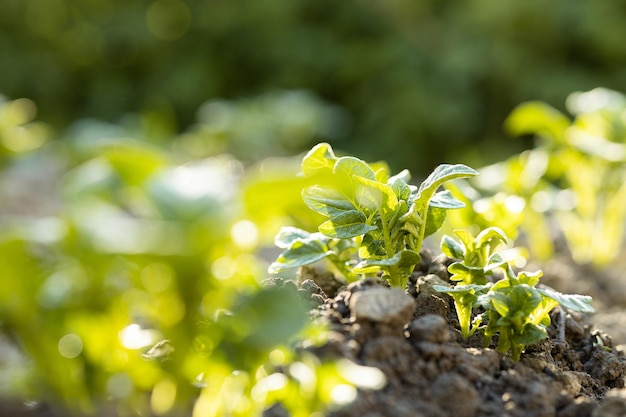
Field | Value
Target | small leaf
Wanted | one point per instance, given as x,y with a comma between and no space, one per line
451,248
524,298
463,289
404,176
375,196
286,235
529,278
466,239
401,189
445,200
441,174
495,261
434,220
349,167
499,302
319,160
371,248
326,201
574,302
492,236
346,225
301,252
531,334
401,259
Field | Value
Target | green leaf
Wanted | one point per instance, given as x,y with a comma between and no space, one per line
302,252
404,176
441,174
374,196
492,236
434,220
529,278
319,160
371,247
467,240
346,225
495,261
445,200
467,274
287,235
574,302
517,301
531,334
451,248
348,167
537,118
541,313
399,183
326,201
463,288
524,298
404,258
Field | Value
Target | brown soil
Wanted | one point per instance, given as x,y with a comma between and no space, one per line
432,372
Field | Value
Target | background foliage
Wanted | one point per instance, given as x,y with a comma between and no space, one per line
418,83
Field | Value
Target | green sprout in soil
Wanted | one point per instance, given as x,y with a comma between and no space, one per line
513,307
382,218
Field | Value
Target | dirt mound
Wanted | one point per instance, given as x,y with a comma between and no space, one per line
431,371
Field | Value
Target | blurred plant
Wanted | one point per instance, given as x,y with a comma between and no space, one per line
142,294
388,64
384,217
575,177
512,307
19,132
269,125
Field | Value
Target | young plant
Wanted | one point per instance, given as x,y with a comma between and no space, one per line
478,260
513,307
304,248
519,312
478,254
385,217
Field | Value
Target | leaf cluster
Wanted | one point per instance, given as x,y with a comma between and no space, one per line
513,307
384,217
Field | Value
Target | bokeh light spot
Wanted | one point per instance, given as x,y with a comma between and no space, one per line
134,337
70,346
163,396
224,268
245,234
168,20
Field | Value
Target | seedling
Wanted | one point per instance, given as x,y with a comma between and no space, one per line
512,307
478,253
384,217
304,248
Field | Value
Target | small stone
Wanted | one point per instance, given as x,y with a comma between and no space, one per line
572,381
391,306
429,328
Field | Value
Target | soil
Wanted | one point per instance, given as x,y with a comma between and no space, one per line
414,338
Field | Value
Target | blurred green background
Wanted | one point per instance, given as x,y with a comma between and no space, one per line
412,82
